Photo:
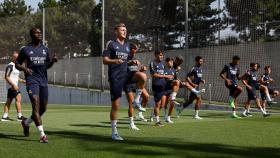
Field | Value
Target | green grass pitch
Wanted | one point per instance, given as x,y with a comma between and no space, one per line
84,131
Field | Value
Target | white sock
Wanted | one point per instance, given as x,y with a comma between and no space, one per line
248,110
262,110
234,112
165,113
140,114
268,97
157,119
245,111
131,120
173,95
114,126
195,91
41,130
196,112
19,114
5,115
168,118
28,121
138,95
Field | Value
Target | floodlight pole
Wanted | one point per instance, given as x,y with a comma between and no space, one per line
43,26
186,23
103,43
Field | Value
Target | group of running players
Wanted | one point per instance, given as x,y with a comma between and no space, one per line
127,73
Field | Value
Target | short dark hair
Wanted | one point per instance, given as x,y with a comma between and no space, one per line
235,57
157,52
168,59
252,64
259,65
132,46
267,67
197,58
119,25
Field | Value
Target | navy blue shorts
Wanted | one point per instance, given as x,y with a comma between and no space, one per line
158,92
232,88
41,91
12,93
168,88
270,90
116,87
130,78
252,95
130,88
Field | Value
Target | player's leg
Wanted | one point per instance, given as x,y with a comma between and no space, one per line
197,107
116,88
170,111
164,105
130,99
145,99
7,106
246,112
264,89
158,104
179,110
18,107
140,79
175,88
258,104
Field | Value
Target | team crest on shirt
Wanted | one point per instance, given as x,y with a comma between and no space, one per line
127,49
31,52
44,52
30,92
117,47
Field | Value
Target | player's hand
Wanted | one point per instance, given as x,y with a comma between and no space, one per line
169,77
271,80
54,59
143,68
195,85
28,71
119,61
178,68
229,82
250,87
203,81
15,88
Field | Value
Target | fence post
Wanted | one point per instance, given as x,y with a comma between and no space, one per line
54,77
77,78
88,81
210,92
65,78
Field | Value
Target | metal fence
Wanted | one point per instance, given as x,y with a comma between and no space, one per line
215,29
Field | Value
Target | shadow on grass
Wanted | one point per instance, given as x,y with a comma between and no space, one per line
93,125
150,147
15,137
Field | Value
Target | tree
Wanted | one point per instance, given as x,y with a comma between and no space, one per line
254,19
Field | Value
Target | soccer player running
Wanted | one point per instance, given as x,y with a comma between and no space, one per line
36,58
251,81
134,67
193,80
170,90
115,56
266,80
12,78
158,82
230,74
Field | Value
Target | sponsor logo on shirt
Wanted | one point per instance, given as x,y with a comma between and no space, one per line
31,52
121,55
44,52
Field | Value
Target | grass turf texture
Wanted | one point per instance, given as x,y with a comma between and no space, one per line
84,131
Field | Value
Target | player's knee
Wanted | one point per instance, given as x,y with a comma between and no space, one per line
239,88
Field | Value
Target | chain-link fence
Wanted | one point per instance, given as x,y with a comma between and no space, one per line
215,29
